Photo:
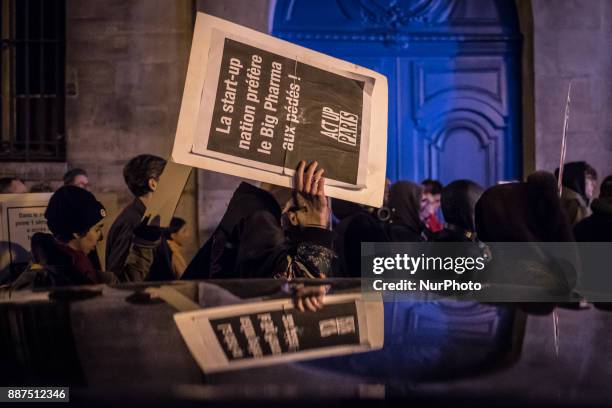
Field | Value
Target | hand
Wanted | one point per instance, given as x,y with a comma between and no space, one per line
150,233
309,197
309,297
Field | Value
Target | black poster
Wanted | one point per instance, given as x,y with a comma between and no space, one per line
279,332
277,111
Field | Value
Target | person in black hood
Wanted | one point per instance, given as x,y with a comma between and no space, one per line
217,257
578,182
362,226
530,213
408,209
353,225
356,224
523,212
598,227
459,199
258,239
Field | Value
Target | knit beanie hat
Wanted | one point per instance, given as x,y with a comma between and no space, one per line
72,210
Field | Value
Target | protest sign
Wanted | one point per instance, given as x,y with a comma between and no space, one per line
165,198
255,105
21,216
271,332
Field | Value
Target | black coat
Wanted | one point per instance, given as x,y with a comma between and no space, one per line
530,213
405,224
352,231
120,238
250,243
597,227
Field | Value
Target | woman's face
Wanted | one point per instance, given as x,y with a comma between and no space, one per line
433,202
589,187
87,242
424,210
181,237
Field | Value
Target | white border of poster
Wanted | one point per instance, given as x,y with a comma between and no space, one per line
200,89
197,331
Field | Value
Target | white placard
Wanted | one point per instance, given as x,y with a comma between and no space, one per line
273,332
21,216
168,193
255,105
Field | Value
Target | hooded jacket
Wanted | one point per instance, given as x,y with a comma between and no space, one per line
250,243
458,201
120,240
597,227
530,213
573,196
405,223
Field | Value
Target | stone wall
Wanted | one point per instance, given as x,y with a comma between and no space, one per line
571,42
126,62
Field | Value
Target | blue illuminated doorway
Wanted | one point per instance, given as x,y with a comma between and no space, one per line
453,68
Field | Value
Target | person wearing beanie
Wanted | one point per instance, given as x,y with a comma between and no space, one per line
76,219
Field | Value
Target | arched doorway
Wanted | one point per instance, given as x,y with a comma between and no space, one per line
454,69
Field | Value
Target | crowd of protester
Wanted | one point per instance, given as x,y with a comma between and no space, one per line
274,232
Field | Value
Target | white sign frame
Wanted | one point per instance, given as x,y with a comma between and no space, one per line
202,342
371,186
